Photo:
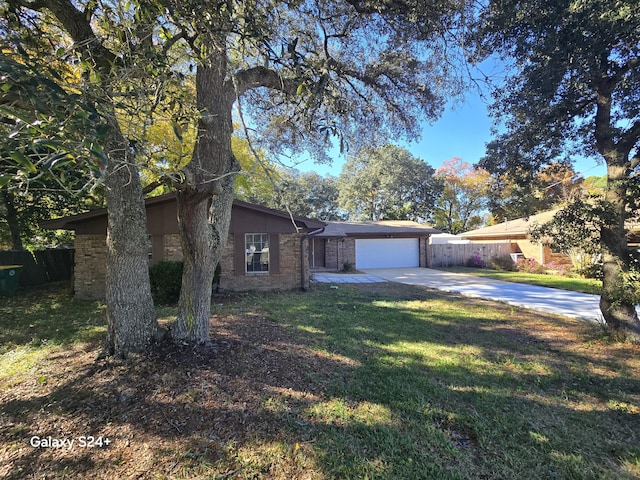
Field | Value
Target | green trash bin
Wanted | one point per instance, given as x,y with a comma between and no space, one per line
9,278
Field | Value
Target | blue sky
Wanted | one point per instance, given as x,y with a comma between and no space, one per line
462,131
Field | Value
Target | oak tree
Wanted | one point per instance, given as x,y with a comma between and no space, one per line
573,87
388,183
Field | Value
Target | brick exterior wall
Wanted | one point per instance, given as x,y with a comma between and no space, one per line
172,248
90,267
339,251
287,278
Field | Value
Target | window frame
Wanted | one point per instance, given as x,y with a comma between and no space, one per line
257,255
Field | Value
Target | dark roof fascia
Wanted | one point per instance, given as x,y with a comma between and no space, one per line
389,235
384,232
67,223
306,222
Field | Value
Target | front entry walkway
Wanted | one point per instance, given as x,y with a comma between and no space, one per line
329,277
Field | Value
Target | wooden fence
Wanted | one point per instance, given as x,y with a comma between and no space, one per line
453,255
40,266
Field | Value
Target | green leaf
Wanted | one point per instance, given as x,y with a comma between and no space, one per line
102,130
94,77
177,129
23,161
4,181
15,114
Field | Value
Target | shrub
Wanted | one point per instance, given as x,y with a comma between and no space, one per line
348,267
530,265
166,281
562,269
593,270
504,262
476,261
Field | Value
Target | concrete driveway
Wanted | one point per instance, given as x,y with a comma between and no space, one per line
548,300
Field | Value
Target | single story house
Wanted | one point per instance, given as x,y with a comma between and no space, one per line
516,233
266,248
382,244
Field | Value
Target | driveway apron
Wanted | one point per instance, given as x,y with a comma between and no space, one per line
542,299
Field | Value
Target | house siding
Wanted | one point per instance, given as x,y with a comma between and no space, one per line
91,261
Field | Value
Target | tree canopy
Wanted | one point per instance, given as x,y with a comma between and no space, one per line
464,198
388,183
297,73
573,88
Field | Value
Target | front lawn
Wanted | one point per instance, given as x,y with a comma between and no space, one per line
575,284
363,381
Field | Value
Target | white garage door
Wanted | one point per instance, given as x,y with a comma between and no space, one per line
387,253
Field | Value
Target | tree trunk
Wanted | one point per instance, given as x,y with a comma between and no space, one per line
131,321
618,309
203,229
209,177
12,219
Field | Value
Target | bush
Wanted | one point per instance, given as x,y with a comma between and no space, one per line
561,269
593,270
476,261
166,281
504,262
530,265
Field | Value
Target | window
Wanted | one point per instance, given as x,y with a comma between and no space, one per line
257,250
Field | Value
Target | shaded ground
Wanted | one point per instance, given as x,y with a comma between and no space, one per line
164,413
248,407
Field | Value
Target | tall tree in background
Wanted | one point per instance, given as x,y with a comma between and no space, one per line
464,197
520,195
388,183
306,194
574,87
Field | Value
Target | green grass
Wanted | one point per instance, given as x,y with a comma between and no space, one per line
575,284
449,388
380,381
38,321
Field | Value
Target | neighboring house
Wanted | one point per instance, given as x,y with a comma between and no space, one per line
266,248
516,233
384,244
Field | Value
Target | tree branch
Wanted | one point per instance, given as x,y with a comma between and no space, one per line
78,26
630,137
261,77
